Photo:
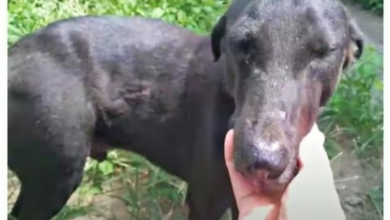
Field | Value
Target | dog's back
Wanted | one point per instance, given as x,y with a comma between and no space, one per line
104,40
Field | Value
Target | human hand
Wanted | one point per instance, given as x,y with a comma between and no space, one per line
247,198
310,195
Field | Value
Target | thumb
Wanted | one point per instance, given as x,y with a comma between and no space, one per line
229,148
241,186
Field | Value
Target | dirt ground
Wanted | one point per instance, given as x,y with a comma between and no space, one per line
353,179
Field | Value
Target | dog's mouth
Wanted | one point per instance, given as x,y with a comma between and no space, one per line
265,185
269,183
261,175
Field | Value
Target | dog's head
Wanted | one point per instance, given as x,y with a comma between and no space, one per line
283,60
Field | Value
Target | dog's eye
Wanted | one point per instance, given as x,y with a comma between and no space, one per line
321,49
333,48
244,45
324,50
242,42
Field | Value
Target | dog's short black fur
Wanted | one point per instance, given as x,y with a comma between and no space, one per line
283,61
83,85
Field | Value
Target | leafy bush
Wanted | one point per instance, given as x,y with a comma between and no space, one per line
375,6
354,117
356,109
25,16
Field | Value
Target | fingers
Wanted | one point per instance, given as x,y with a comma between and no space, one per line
246,194
241,186
229,148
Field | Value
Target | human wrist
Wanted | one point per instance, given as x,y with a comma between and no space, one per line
260,213
310,193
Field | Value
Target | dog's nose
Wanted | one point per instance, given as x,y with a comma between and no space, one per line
268,160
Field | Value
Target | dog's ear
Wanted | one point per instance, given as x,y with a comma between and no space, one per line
355,44
216,37
356,39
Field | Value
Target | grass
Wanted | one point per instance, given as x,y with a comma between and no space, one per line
356,109
375,6
354,117
353,120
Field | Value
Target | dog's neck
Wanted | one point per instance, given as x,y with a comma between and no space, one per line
203,56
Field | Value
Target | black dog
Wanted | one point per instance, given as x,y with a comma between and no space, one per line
80,86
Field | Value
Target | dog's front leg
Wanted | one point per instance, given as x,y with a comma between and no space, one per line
209,189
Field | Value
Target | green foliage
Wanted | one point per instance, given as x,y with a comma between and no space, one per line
98,173
73,212
25,16
356,108
375,6
376,196
354,117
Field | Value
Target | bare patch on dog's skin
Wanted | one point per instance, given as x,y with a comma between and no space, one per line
139,94
307,112
283,61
